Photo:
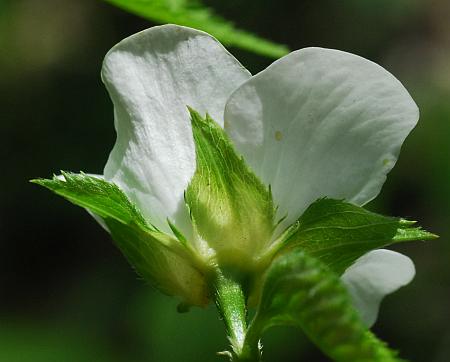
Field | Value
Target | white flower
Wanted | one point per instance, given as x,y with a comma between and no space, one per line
318,122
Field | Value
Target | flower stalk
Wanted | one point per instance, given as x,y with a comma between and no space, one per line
230,300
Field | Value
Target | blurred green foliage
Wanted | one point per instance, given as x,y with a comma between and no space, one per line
195,15
66,294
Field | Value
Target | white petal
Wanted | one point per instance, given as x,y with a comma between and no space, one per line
320,122
99,220
151,77
374,275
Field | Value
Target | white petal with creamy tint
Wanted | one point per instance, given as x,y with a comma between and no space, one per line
373,276
320,122
151,77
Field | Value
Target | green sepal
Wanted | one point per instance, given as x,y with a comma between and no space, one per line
231,208
103,198
299,290
167,263
162,261
338,233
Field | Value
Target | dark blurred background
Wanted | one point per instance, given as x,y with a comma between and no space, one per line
66,294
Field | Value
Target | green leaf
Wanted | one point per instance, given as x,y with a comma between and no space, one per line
301,291
167,263
193,14
232,210
337,232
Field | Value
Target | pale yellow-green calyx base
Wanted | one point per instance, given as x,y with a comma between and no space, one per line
231,209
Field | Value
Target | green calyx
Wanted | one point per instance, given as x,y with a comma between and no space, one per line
231,209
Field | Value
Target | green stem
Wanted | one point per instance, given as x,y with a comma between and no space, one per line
230,301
